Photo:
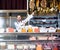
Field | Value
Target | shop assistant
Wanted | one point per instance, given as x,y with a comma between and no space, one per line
21,22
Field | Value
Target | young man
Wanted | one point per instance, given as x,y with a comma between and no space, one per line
21,22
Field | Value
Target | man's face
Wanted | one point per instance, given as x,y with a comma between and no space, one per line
19,18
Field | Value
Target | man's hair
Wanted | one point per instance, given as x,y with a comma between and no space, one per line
18,15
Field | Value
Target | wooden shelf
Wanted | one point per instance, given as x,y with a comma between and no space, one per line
8,11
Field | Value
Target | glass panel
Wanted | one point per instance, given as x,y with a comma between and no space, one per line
3,20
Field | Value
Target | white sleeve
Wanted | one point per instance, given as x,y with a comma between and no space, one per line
28,18
16,26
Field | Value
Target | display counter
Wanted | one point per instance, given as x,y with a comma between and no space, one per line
18,40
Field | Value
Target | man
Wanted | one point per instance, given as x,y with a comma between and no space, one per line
21,22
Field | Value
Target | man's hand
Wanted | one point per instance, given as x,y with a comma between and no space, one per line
33,12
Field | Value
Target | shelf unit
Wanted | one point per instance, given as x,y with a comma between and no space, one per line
58,19
28,34
44,21
26,41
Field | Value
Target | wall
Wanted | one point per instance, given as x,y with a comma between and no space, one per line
13,4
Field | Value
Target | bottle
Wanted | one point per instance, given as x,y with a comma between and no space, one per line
39,47
23,30
55,47
30,30
36,30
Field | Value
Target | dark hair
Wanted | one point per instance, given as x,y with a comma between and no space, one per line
18,15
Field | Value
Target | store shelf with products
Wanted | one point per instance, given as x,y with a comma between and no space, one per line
28,41
59,20
42,33
44,21
30,46
29,37
24,44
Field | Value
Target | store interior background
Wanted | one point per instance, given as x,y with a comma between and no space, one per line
9,9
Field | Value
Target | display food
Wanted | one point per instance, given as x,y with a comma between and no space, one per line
2,45
42,37
52,38
31,5
43,3
10,29
39,47
19,47
30,30
43,29
51,29
47,47
32,46
58,30
59,6
19,30
32,38
2,30
11,46
25,47
36,30
37,3
55,46
23,30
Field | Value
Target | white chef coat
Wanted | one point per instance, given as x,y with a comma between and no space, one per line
18,25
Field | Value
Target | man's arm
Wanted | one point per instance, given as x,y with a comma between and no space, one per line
29,16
